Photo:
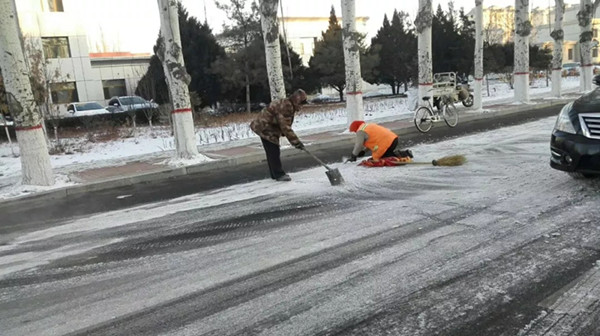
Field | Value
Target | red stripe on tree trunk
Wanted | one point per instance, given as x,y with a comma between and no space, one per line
183,110
28,128
587,65
522,73
478,79
354,93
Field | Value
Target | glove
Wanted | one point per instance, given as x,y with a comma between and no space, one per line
299,145
352,158
361,153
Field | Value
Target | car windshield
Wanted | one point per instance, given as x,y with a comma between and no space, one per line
132,101
89,106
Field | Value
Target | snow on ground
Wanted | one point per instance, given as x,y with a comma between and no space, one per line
493,203
158,143
523,147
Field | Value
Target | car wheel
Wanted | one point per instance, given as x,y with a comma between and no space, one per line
580,176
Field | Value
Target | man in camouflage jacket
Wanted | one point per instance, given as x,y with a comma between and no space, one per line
272,123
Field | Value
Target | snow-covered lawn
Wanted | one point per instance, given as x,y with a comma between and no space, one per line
159,144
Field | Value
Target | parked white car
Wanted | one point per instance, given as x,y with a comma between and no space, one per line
129,103
85,109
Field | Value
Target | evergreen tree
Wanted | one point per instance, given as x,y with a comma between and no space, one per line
246,28
539,58
453,41
397,46
328,59
233,78
327,63
200,50
499,59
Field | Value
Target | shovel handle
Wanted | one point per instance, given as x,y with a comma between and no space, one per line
316,158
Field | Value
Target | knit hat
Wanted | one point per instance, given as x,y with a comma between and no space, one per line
355,125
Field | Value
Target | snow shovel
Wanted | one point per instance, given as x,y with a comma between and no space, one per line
334,175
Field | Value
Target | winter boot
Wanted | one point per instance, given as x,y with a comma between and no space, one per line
404,153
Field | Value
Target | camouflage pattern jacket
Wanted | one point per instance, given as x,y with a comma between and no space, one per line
275,121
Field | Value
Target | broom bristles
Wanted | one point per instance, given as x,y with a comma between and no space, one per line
452,160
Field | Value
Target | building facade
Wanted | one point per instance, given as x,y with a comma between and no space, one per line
499,22
57,39
302,33
571,51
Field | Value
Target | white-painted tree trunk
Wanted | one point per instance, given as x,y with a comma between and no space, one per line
354,99
177,79
268,19
521,58
35,160
558,35
423,26
585,16
477,95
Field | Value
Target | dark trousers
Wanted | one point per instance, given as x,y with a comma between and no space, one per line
390,151
273,159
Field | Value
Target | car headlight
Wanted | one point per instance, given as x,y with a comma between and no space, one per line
563,122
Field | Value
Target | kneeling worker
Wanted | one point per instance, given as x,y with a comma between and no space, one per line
380,140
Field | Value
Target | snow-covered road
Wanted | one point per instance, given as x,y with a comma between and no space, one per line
495,247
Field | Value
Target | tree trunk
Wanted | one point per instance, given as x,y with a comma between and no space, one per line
268,19
177,79
521,58
487,84
248,105
477,95
134,126
423,26
557,55
354,99
584,16
35,160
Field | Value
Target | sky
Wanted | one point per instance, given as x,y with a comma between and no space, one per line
374,9
139,34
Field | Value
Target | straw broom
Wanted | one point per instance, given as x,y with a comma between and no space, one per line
447,161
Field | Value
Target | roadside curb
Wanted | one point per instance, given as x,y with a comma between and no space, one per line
341,139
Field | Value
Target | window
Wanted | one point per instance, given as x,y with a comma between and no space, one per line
570,54
55,5
56,47
132,100
595,52
114,87
63,93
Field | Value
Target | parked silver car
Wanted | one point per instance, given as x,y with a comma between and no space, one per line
129,103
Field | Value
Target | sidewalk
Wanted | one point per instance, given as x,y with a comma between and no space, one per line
236,152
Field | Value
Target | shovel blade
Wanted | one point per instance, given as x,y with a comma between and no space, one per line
335,177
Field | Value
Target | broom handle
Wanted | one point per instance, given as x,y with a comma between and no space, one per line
418,163
316,158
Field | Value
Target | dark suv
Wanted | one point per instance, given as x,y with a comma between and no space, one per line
575,142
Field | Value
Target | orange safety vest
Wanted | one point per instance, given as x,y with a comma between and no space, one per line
379,139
